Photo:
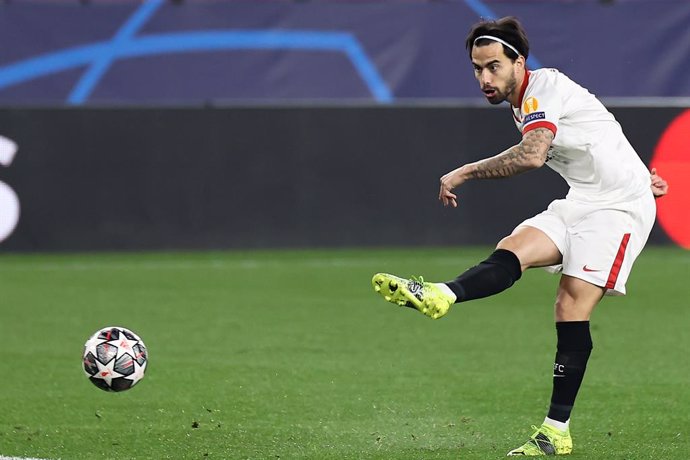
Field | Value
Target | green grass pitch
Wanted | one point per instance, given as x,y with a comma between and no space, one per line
290,354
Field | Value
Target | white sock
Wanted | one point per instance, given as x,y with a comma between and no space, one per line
562,426
446,290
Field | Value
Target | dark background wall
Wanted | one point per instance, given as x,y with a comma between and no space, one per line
94,179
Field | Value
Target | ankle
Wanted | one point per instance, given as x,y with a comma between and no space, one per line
447,291
558,425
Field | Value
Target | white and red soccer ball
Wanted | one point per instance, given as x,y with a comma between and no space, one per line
115,359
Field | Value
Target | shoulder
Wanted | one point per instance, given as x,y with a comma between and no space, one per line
550,83
554,80
545,78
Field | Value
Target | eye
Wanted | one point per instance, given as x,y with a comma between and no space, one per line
494,67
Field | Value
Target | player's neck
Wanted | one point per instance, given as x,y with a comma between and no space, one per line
514,98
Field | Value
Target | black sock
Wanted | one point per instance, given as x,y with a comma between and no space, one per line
495,274
574,348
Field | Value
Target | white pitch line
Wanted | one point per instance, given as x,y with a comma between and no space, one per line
20,458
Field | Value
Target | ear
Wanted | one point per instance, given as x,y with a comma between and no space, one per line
520,61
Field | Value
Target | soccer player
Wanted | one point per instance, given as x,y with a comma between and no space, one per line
591,237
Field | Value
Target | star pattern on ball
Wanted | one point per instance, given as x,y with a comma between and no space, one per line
123,345
107,372
138,373
91,344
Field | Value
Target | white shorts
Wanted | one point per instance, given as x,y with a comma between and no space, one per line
598,245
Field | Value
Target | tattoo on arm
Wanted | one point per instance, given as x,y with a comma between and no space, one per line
530,153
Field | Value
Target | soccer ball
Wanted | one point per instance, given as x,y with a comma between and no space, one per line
115,359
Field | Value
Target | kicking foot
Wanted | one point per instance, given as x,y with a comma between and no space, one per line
428,298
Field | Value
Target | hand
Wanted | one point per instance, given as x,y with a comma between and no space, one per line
659,185
448,183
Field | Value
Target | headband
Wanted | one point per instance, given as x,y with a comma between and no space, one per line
496,39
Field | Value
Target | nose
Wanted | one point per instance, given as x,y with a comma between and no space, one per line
485,78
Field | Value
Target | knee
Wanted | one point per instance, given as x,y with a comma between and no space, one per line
564,307
508,243
576,299
532,247
567,308
513,244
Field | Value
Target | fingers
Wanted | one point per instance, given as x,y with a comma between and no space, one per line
449,200
448,182
658,182
452,201
659,185
447,197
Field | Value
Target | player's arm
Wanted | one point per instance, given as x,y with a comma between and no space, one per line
529,154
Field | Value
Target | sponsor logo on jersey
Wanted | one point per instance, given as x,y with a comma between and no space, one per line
533,116
530,105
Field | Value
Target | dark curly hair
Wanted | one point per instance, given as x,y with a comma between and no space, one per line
508,29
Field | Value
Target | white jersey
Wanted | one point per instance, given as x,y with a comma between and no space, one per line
589,149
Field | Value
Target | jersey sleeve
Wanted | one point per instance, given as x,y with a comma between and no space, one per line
541,106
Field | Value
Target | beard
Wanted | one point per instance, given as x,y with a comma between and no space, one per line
500,96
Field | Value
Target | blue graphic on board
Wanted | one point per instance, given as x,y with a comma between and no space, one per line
214,53
125,45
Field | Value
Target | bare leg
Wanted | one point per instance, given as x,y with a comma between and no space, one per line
576,299
532,247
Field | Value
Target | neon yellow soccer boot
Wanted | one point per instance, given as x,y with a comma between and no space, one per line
428,298
547,440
